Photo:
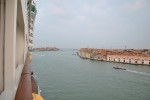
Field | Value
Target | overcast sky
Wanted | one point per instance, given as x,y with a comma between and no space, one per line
92,23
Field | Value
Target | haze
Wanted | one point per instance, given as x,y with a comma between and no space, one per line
92,23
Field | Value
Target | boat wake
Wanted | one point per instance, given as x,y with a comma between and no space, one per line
38,54
41,55
137,72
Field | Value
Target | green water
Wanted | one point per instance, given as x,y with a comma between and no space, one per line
64,76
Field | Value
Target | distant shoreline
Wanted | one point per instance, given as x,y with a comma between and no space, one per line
45,49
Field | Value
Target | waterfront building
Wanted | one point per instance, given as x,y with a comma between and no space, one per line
101,54
85,53
129,56
131,59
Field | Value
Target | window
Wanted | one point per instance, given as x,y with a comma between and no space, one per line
28,3
33,9
30,41
129,60
119,59
124,60
1,45
142,61
149,62
32,22
31,28
31,34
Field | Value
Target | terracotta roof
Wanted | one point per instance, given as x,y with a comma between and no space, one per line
121,52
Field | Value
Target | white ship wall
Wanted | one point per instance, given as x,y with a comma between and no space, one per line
1,44
16,46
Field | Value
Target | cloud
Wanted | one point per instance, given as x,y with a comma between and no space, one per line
57,10
78,23
98,8
134,6
81,18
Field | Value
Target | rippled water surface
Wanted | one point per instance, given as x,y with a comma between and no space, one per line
64,76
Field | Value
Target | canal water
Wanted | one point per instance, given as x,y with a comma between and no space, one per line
62,75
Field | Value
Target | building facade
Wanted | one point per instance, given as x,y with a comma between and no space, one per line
131,59
32,14
130,56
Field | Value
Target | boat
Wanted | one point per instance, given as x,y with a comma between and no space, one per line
119,68
17,81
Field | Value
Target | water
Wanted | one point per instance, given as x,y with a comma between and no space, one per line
64,76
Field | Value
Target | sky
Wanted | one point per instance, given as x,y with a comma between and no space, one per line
92,23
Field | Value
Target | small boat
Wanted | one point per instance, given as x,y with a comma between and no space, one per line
119,68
